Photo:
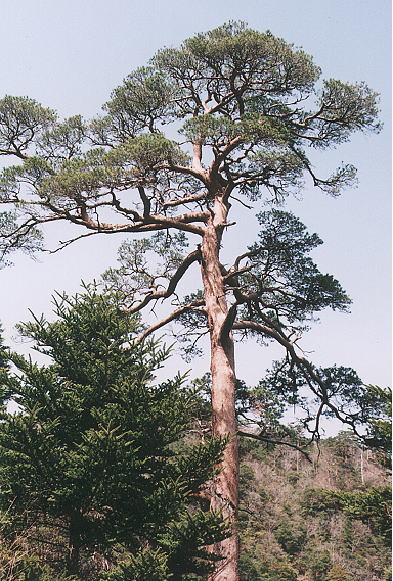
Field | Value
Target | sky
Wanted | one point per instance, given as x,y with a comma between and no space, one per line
69,55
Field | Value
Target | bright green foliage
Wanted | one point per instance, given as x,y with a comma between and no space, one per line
150,564
255,568
291,540
88,460
338,573
319,561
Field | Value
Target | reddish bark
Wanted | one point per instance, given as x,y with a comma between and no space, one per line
225,494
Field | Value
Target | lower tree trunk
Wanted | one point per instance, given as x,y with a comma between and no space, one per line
74,546
73,560
225,493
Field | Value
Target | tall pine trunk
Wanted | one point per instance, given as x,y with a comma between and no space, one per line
225,494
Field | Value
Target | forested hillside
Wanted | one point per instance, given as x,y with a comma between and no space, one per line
324,520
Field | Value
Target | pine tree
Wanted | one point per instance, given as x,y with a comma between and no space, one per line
244,109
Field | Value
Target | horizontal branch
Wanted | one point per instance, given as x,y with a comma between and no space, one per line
273,333
151,223
272,441
185,200
184,170
182,222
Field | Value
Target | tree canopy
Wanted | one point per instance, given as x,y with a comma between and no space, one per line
250,102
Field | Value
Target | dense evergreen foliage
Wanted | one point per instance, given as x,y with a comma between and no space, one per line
88,472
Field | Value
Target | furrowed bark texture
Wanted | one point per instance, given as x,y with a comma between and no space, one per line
225,495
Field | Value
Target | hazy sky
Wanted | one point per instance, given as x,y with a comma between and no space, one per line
70,54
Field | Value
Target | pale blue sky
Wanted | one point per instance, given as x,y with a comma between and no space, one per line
70,54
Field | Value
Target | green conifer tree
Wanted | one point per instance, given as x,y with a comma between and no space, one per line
87,463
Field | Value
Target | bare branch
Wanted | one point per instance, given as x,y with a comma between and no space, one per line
223,154
176,277
145,201
65,243
174,315
186,200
